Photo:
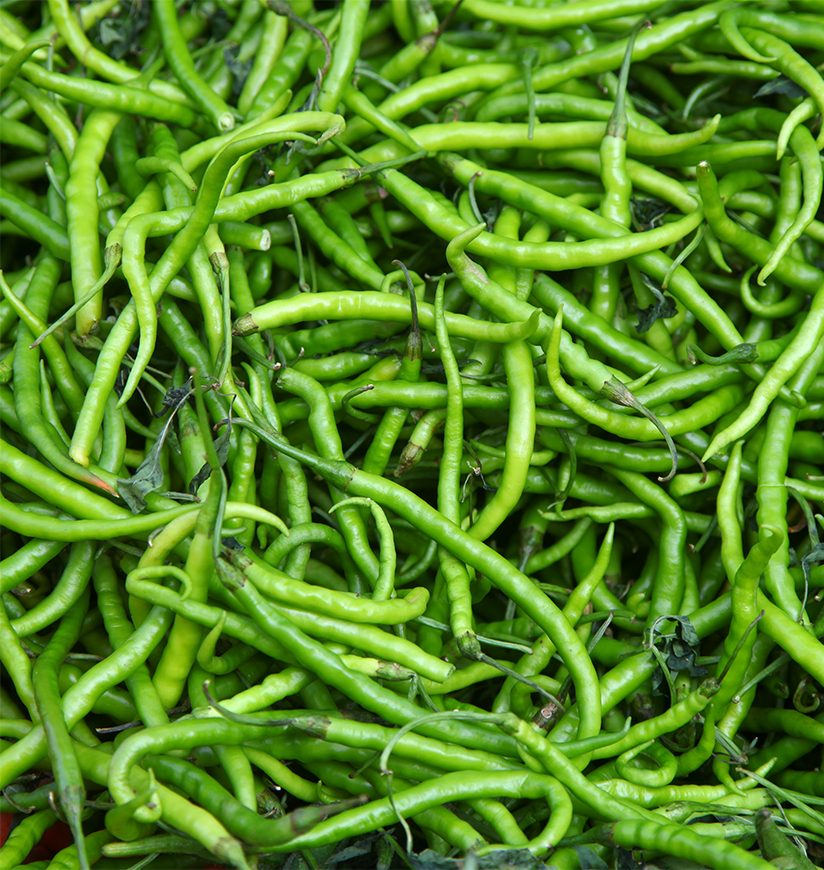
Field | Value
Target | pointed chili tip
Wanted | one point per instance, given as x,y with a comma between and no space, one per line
465,238
101,484
231,850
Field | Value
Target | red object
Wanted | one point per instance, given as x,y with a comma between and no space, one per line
5,826
56,838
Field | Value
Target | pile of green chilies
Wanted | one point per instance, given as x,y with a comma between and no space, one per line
412,433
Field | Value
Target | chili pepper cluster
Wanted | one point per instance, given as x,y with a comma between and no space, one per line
412,433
